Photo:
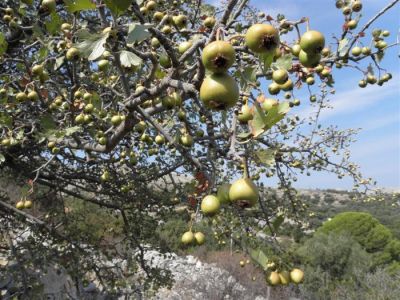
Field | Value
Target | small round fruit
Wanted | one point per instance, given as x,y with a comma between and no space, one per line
186,140
50,5
210,205
274,278
313,98
37,70
180,21
287,86
166,29
28,204
356,51
33,96
19,205
245,114
242,263
164,60
296,102
184,46
187,238
219,91
72,54
387,77
244,192
105,176
366,50
274,88
309,60
352,24
51,144
223,193
209,22
357,6
116,120
218,56
284,277
103,64
362,83
21,97
80,119
200,238
151,5
310,80
157,16
325,52
371,79
280,76
160,139
262,38
385,33
296,275
312,42
380,45
269,103
296,50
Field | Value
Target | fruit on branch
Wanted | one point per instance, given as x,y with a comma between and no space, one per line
116,120
219,91
245,114
186,140
210,205
352,24
72,54
159,139
296,50
187,238
356,51
49,5
165,60
274,88
28,204
287,86
105,176
356,6
184,46
157,16
284,277
103,64
243,192
33,96
200,238
223,193
140,127
218,56
179,21
262,38
19,205
209,22
309,60
371,79
151,5
310,80
21,96
274,278
280,76
269,103
296,275
172,100
325,52
166,29
37,70
346,10
385,33
312,42
242,263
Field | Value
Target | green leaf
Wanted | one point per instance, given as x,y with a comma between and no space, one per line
3,44
137,33
78,5
250,73
259,257
53,25
266,156
42,53
47,123
244,135
129,59
266,59
276,113
284,62
259,120
91,45
343,47
118,6
278,222
5,120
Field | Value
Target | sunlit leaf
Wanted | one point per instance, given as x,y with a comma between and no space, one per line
129,59
3,44
137,33
118,6
91,45
78,5
266,156
259,257
343,46
284,62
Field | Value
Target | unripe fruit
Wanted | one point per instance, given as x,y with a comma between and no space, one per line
140,127
380,45
158,16
218,56
187,238
105,176
37,70
180,21
6,142
87,96
296,50
284,277
312,42
103,64
51,145
280,76
7,18
357,6
21,97
366,50
164,60
209,22
310,80
362,83
296,275
274,88
200,238
80,119
223,193
151,5
309,60
19,205
72,54
313,98
116,120
287,86
262,38
210,205
159,140
144,10
50,5
28,204
89,108
66,26
33,96
352,24
155,42
325,52
356,51
346,10
269,103
274,278
371,79
245,114
244,192
184,46
186,140
219,91
385,33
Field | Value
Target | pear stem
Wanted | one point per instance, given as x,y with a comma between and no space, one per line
245,168
308,24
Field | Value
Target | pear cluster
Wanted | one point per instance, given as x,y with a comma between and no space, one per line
284,277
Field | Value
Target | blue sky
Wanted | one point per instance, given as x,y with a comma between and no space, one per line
376,110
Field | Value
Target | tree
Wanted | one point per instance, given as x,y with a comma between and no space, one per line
113,102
